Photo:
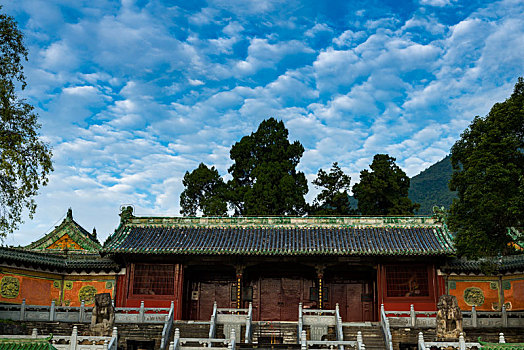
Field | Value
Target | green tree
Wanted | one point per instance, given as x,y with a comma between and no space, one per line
204,191
265,180
384,189
333,199
25,161
488,163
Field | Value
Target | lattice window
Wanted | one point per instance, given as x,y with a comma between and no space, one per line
154,279
407,281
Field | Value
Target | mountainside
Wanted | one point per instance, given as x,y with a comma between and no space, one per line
430,187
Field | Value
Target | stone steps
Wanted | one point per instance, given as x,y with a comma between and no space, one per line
274,333
371,335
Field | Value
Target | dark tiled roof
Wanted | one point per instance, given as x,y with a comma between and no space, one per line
328,240
501,264
72,261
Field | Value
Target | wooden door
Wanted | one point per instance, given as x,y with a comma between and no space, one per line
291,296
270,299
368,302
338,295
353,302
219,291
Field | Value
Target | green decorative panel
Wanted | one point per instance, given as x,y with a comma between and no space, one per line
68,285
87,294
9,287
493,285
506,285
109,285
452,285
57,284
67,302
473,296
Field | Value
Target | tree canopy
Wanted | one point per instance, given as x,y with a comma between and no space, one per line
265,180
333,199
384,189
488,163
25,161
205,191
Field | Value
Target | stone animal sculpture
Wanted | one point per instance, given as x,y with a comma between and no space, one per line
103,316
449,318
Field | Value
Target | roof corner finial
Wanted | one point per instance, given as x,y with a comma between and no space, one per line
69,214
126,213
94,232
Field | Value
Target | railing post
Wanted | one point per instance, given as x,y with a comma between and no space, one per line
141,313
106,344
501,338
233,339
81,315
34,333
52,312
473,316
421,345
115,333
462,342
22,310
303,341
73,341
413,317
504,316
360,341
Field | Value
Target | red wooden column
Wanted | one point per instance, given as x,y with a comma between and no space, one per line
179,288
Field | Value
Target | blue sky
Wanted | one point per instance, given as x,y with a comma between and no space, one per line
133,94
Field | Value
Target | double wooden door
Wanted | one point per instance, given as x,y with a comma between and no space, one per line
355,300
279,299
202,296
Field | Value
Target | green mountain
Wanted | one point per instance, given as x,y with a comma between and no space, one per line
430,187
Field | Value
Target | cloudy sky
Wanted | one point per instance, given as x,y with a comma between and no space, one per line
132,94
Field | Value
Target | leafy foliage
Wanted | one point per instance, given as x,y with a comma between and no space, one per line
488,161
334,198
25,161
430,187
265,180
384,189
205,191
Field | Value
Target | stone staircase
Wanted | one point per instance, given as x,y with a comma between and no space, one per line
371,335
191,329
268,333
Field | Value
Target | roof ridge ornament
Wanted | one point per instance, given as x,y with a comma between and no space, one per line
126,213
69,215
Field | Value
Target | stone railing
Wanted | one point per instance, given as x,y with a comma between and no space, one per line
168,327
327,344
179,343
473,318
318,320
74,341
79,314
234,319
460,344
384,324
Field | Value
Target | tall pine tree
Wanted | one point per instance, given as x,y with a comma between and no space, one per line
488,163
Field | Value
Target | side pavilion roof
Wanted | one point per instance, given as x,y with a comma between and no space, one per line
342,236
